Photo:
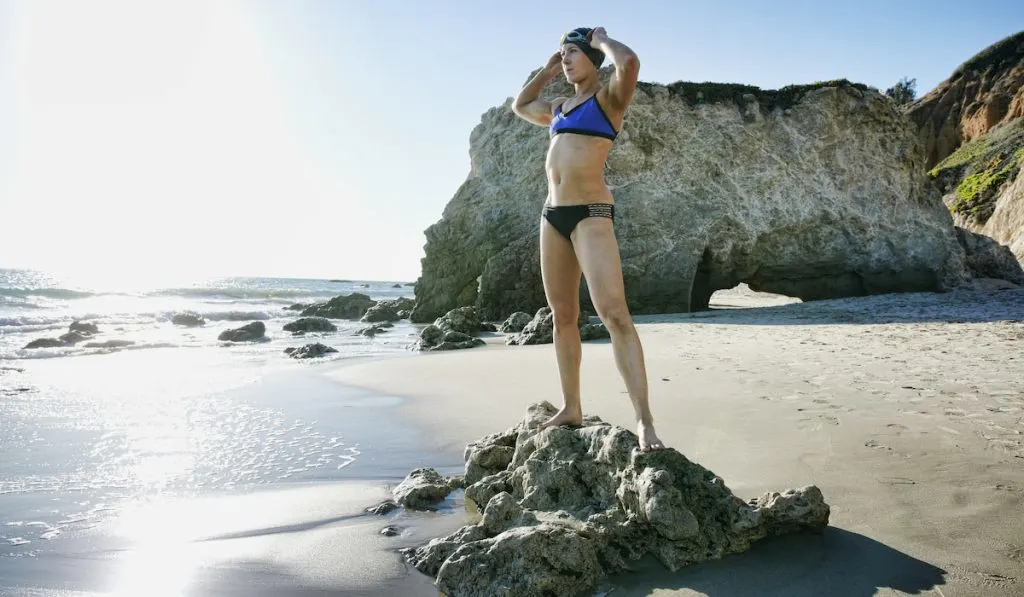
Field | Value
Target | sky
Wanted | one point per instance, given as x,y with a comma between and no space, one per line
319,138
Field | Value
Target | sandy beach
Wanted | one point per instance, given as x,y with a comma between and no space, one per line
907,411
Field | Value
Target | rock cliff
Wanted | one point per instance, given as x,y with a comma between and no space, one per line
972,129
815,191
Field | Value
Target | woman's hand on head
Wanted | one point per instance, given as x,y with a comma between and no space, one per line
597,36
554,65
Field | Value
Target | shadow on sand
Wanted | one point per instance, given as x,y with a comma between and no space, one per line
837,563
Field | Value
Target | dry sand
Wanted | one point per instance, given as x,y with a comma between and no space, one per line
906,410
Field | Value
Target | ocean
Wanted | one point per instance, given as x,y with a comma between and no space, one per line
170,412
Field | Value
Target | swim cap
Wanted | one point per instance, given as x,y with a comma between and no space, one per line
578,37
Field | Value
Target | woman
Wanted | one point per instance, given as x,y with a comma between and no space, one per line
576,228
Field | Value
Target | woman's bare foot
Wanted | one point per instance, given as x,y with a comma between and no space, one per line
566,416
648,439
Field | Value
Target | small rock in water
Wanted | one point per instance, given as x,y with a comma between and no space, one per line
423,488
383,508
246,333
309,351
188,319
390,531
87,329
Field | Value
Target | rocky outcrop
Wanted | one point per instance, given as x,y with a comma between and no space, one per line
424,487
563,507
456,329
350,306
812,192
389,310
309,351
981,94
433,338
310,324
250,332
77,332
515,323
540,329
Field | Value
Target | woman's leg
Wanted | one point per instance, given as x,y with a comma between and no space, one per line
561,273
598,252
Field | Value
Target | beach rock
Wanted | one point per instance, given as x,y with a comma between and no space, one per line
815,192
309,351
188,319
396,285
247,333
515,323
572,505
403,314
310,324
45,343
986,258
540,330
593,331
74,337
463,320
423,488
383,508
388,310
350,306
87,329
374,329
296,307
390,531
433,338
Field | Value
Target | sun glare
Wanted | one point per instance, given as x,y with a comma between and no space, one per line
155,137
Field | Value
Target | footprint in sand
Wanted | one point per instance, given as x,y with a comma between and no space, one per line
896,481
816,423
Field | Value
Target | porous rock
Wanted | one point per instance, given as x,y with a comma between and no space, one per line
562,507
515,323
424,487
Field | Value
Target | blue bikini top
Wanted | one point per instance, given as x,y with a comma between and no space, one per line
585,119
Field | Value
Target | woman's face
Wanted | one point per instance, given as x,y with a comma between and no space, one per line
575,63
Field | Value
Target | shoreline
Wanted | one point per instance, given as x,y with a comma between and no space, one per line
305,535
904,409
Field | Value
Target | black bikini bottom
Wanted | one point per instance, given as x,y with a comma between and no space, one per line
565,217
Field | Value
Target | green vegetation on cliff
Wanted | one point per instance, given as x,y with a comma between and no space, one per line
695,93
979,168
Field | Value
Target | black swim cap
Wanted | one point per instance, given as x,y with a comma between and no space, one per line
578,36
